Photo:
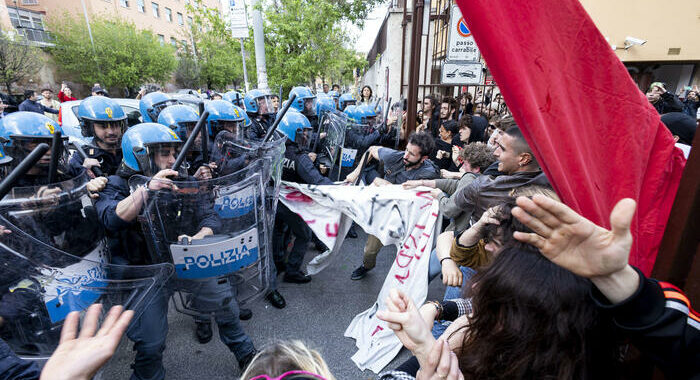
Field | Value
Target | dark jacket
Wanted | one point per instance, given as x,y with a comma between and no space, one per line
32,106
298,167
109,163
259,127
690,107
485,191
479,125
660,321
668,103
14,368
395,170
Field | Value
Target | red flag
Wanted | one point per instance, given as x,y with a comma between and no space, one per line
595,135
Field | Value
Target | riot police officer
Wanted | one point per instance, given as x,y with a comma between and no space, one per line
346,100
234,97
336,98
260,108
104,120
182,119
20,133
305,103
298,166
150,149
152,103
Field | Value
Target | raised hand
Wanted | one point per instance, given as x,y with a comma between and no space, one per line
80,356
404,318
441,364
577,244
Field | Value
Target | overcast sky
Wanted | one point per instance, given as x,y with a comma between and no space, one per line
365,36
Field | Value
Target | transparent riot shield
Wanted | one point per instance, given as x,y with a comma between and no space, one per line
216,234
358,138
54,260
333,125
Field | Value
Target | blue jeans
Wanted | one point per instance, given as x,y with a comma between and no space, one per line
451,292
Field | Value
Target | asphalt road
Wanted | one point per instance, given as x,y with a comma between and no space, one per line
317,313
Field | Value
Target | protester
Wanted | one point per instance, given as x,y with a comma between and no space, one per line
682,127
30,104
448,109
662,100
98,90
692,103
366,95
77,357
465,105
48,101
283,359
65,95
430,117
442,156
398,168
325,88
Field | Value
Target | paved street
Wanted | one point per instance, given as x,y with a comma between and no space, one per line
317,313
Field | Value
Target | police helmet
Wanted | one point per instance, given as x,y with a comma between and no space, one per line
225,116
234,97
305,101
353,113
21,131
324,104
152,103
296,127
180,118
345,100
367,114
102,110
143,141
259,102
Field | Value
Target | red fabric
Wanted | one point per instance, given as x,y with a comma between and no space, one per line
593,132
62,97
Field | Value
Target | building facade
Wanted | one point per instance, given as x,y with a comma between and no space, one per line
656,41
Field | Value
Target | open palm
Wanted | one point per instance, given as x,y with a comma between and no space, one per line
574,242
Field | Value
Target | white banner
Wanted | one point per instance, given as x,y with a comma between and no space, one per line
406,218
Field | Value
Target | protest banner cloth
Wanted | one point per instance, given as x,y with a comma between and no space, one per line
408,219
597,148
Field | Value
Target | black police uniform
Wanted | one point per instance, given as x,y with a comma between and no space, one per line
109,163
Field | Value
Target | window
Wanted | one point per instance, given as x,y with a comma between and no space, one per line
141,6
29,24
124,3
30,2
161,39
168,15
180,20
155,10
173,41
184,43
189,21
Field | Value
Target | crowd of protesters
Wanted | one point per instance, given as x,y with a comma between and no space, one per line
505,222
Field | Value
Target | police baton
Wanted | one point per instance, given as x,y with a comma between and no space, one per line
205,137
56,150
280,115
376,104
363,161
190,141
81,152
386,113
22,169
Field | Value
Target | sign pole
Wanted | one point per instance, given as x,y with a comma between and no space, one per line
245,70
414,68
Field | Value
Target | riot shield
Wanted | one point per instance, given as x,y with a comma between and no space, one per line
333,124
358,138
54,260
216,234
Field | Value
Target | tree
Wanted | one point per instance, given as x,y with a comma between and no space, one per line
18,59
217,53
187,74
306,39
124,56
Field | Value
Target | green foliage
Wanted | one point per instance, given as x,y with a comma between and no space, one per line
18,59
306,39
124,56
187,74
218,54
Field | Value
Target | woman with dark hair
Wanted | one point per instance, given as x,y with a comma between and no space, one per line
366,95
525,317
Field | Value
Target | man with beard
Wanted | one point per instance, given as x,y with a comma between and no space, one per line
399,167
104,120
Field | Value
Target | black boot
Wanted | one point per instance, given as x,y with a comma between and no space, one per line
245,314
275,298
203,332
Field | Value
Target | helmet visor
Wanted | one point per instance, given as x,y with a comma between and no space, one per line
22,146
185,129
304,137
309,106
237,128
160,156
155,110
266,105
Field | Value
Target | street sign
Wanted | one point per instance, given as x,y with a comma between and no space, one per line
460,73
237,19
461,45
